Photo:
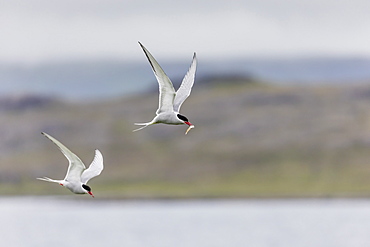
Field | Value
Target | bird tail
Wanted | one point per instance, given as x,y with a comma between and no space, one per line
145,125
50,180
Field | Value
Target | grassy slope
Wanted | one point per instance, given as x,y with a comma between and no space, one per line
249,141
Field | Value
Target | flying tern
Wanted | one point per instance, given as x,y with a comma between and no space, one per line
77,174
170,101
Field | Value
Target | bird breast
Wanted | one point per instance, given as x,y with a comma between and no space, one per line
75,188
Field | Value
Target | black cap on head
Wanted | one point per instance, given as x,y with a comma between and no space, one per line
183,118
86,187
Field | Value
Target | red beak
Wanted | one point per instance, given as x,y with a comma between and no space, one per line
90,193
188,123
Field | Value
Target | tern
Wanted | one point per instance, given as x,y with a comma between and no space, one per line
170,101
77,174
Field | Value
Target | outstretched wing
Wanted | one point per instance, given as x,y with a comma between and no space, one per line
76,166
187,83
95,168
166,90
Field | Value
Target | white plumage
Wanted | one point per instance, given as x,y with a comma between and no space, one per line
170,101
77,175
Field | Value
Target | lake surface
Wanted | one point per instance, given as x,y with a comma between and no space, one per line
84,221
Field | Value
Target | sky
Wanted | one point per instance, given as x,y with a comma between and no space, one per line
38,31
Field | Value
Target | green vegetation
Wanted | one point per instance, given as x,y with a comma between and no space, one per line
250,140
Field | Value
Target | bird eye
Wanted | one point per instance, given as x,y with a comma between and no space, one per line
183,118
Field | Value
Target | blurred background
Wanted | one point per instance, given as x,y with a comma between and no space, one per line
280,104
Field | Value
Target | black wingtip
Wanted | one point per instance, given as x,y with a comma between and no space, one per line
147,56
142,46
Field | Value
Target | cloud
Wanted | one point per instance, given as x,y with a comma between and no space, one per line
42,30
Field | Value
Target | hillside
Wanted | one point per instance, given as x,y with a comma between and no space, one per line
250,140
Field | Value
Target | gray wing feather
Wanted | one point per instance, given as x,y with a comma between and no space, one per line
166,89
76,166
95,168
187,83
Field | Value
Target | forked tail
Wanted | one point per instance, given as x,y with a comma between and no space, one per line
50,180
145,125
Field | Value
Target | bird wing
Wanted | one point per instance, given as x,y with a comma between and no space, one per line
166,90
187,83
76,166
94,169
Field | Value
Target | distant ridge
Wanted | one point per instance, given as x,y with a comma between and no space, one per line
86,80
25,101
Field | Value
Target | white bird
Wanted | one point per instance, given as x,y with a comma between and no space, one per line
77,174
170,100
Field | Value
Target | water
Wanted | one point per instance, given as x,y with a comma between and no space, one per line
49,222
